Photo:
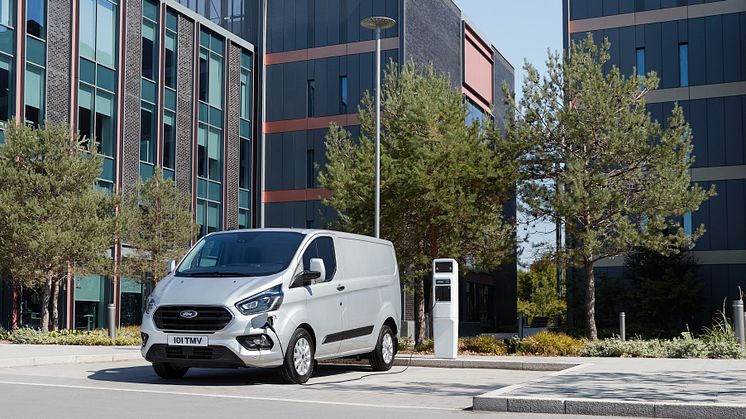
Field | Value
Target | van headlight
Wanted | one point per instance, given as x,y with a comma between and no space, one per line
149,305
268,300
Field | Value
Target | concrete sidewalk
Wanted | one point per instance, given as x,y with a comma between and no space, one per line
693,388
36,355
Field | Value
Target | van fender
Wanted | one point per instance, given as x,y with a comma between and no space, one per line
387,310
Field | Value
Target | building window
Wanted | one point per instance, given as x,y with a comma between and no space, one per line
684,65
688,224
7,12
343,95
640,61
35,18
244,175
245,94
34,94
149,50
97,85
475,114
310,169
169,140
311,97
6,85
170,58
147,134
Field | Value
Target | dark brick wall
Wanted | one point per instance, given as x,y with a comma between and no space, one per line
232,140
185,106
503,72
132,67
58,62
433,35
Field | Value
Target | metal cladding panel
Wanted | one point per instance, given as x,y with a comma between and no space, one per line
426,42
478,65
232,138
58,62
132,67
185,106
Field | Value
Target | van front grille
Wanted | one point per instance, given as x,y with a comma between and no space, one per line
207,319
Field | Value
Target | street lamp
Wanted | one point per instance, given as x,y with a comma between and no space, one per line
378,23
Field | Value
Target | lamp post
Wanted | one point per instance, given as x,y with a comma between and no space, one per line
378,23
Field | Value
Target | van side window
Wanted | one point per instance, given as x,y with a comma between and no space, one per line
323,248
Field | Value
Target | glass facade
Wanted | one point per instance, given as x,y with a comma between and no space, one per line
245,154
149,89
683,65
35,62
97,81
210,133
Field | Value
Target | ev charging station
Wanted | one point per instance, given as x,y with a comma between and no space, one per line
445,308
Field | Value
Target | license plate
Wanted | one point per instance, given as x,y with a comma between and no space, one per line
187,340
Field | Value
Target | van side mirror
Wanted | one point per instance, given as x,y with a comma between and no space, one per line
311,276
171,267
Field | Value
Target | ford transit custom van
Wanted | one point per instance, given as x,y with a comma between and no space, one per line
275,298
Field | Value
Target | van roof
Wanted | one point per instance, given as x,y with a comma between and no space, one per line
309,231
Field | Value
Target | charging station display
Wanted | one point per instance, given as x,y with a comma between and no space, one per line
445,308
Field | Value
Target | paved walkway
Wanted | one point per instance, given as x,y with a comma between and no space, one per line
631,386
35,355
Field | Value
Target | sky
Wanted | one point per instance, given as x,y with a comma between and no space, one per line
522,30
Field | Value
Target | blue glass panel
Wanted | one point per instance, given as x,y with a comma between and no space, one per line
148,91
214,192
203,112
246,60
202,188
107,169
87,71
35,51
169,99
684,65
204,38
216,44
7,39
245,129
243,198
169,174
107,78
146,171
150,10
216,117
172,21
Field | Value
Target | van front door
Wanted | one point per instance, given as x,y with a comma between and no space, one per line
324,302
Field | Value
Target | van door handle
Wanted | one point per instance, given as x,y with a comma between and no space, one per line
340,287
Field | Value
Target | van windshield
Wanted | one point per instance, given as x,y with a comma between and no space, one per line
245,253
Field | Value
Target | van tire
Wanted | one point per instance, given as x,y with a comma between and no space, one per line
169,371
385,350
302,350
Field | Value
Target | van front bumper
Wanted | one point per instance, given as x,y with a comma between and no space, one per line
223,350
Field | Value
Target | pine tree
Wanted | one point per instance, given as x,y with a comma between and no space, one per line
595,160
51,217
443,181
156,223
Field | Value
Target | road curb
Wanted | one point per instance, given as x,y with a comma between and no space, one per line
404,361
68,359
603,407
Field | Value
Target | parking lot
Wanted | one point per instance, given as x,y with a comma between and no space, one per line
131,389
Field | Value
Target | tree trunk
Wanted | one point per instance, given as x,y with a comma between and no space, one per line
46,296
420,326
590,302
55,300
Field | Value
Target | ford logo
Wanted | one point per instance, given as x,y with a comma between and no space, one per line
188,314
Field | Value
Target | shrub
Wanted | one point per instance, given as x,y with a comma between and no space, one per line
482,345
550,344
427,346
684,347
4,334
125,337
406,343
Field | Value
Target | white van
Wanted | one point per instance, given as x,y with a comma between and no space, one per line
275,298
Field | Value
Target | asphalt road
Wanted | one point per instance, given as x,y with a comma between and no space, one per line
132,390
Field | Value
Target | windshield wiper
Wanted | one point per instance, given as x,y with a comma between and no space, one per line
215,273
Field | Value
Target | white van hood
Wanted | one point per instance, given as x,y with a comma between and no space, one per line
222,291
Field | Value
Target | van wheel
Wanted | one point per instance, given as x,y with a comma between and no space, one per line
382,357
169,371
299,358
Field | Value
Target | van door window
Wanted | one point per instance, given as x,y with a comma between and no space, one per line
323,248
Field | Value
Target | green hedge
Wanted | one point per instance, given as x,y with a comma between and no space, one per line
125,337
657,348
